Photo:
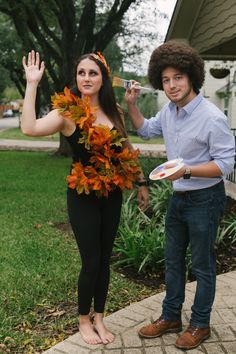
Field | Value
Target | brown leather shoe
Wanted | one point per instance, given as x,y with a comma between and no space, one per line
159,327
192,337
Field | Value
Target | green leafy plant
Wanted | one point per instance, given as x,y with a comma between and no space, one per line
227,229
140,243
141,237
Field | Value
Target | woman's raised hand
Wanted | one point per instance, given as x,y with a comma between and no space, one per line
33,68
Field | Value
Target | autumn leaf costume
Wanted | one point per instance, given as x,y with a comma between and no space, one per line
103,165
109,165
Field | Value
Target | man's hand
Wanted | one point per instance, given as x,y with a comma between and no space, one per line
177,175
132,93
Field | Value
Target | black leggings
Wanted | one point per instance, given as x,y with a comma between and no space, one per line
94,222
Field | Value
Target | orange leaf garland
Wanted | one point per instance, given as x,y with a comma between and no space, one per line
110,165
74,107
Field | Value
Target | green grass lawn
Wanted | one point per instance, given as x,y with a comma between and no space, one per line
39,262
137,140
15,133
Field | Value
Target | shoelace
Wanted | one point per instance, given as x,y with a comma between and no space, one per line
193,330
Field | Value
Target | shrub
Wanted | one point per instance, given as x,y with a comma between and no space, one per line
141,236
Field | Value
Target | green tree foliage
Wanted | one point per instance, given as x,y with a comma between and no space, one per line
61,31
3,82
9,67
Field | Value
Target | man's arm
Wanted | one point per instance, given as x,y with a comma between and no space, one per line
136,116
208,170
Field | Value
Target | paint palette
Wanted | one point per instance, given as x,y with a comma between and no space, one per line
166,169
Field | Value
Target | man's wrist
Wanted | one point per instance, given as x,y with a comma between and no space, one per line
187,173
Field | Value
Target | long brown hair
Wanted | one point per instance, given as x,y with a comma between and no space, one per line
106,95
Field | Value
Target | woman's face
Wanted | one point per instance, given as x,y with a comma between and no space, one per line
88,78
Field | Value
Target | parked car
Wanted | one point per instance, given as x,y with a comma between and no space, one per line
8,113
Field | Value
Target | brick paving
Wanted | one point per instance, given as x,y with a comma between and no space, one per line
125,323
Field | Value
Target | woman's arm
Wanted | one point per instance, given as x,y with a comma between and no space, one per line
53,121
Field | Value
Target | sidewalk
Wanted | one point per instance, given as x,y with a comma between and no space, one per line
157,150
28,145
126,322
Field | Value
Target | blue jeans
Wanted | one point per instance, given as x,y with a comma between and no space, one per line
192,219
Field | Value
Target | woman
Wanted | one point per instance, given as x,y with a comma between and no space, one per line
103,165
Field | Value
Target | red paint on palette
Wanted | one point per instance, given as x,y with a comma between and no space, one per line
162,174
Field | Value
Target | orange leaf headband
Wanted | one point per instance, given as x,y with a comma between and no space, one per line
101,58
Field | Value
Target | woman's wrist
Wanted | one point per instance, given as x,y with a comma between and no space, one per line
32,85
142,182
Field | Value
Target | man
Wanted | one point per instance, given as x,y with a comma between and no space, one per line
197,131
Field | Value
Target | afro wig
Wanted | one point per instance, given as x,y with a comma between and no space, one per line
179,56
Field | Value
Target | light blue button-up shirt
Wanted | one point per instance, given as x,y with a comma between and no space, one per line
198,134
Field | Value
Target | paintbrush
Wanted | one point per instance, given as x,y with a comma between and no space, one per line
127,84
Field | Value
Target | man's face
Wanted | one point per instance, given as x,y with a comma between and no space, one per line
177,86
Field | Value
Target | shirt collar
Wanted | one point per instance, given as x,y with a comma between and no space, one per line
188,108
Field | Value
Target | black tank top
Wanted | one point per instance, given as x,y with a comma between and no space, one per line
79,152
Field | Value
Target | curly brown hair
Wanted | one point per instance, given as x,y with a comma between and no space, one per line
179,56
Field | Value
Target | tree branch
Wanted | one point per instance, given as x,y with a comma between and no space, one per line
67,22
85,34
45,26
34,26
113,24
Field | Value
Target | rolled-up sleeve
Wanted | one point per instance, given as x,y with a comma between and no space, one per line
222,146
151,127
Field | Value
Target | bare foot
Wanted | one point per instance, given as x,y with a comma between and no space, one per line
105,335
88,333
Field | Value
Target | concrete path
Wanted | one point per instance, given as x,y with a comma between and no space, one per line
7,123
126,322
42,145
28,145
